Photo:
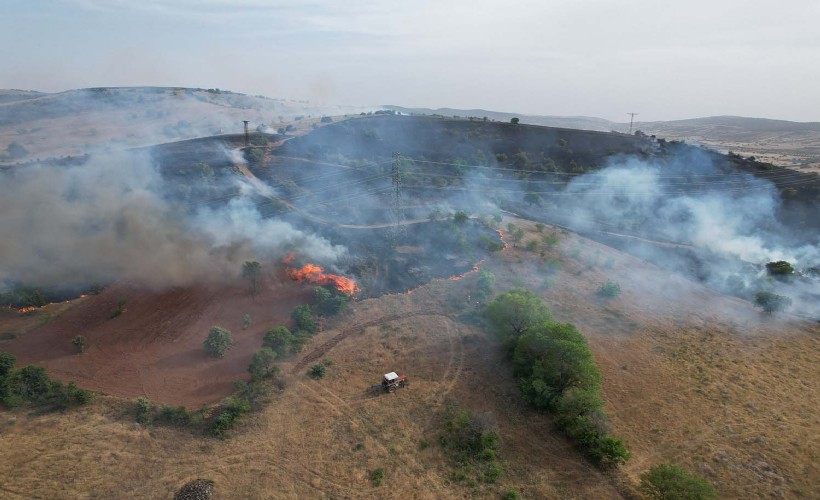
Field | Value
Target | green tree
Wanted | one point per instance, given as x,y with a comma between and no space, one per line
460,217
317,371
515,312
262,366
780,269
280,339
303,319
251,271
254,155
79,343
550,359
514,120
328,300
484,285
668,482
218,342
771,302
7,362
532,198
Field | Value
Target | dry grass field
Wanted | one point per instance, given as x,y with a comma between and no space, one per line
690,377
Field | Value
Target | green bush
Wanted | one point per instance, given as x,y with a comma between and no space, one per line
377,476
254,155
515,312
143,411
609,290
79,343
227,416
781,268
303,319
328,300
771,302
668,482
317,371
461,217
556,372
280,339
218,342
262,366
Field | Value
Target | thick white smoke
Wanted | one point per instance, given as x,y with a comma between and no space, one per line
64,227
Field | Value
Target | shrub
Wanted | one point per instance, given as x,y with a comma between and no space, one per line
532,245
460,217
510,495
280,339
120,308
7,362
326,119
262,366
218,342
609,290
254,155
227,416
771,302
329,300
246,321
514,312
780,269
666,481
377,476
317,371
303,319
143,410
79,343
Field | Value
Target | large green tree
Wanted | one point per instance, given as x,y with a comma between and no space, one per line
280,339
218,342
515,312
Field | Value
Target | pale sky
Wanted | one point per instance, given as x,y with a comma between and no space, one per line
664,60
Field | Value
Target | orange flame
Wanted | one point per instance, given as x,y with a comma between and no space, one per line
311,273
289,258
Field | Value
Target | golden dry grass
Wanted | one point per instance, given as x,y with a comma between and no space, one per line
690,378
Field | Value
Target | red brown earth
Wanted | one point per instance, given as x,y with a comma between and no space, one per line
154,348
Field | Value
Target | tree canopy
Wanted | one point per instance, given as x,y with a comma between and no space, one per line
218,342
515,312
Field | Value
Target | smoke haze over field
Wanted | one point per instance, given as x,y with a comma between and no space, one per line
108,219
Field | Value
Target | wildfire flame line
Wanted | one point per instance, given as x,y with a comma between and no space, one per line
311,273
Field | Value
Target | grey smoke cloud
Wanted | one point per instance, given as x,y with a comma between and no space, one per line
108,219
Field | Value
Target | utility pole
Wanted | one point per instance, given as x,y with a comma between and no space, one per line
247,133
631,119
395,206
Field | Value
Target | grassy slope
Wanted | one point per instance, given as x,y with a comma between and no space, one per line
690,377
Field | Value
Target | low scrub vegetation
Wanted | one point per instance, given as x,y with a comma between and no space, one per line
668,482
473,440
31,386
609,290
556,372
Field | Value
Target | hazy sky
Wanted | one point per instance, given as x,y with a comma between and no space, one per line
664,60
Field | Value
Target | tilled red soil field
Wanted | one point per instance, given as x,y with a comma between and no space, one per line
154,349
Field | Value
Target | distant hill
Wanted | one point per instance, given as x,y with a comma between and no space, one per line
76,121
577,122
782,142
